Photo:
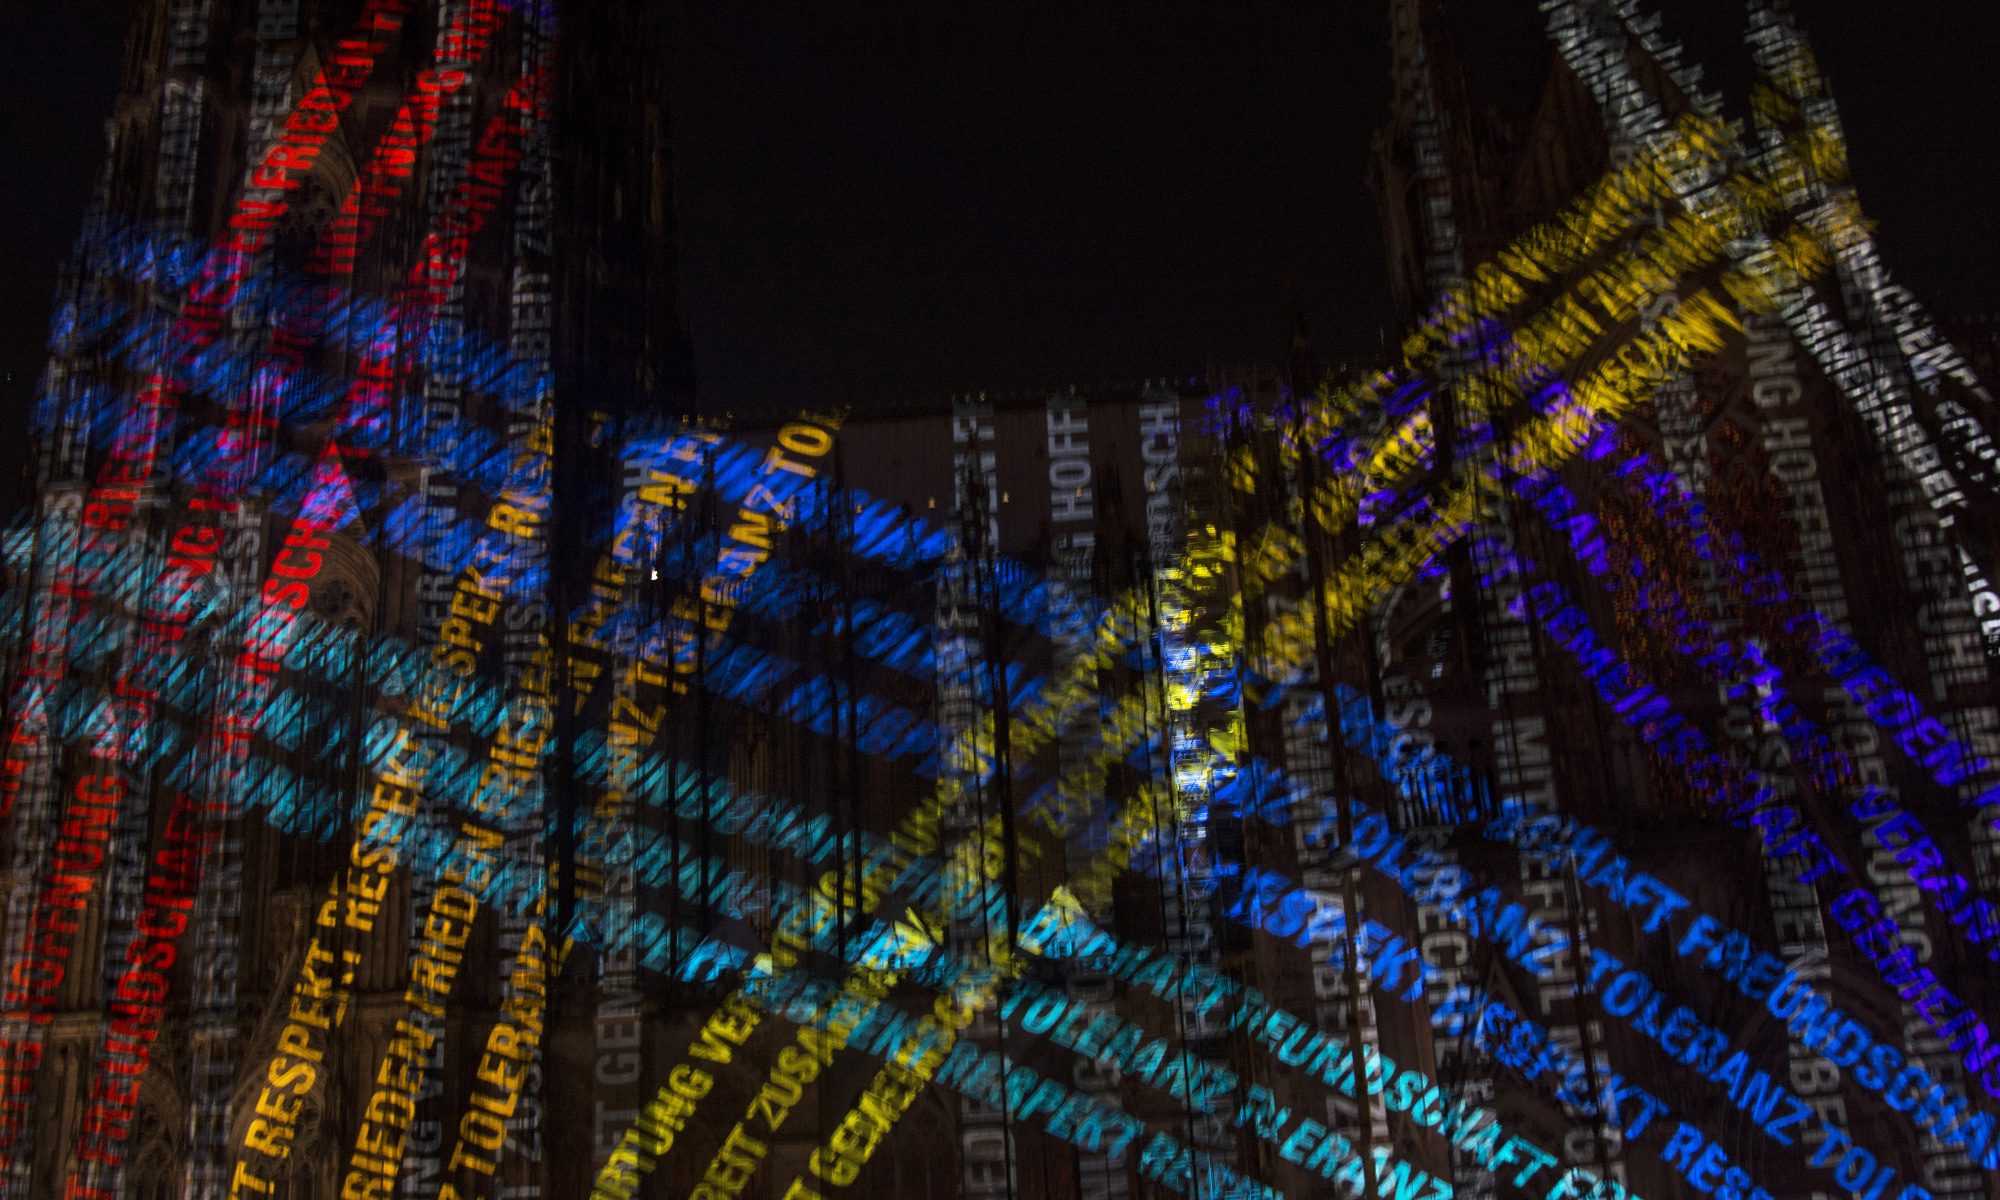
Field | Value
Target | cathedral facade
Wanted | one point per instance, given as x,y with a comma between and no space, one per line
442,763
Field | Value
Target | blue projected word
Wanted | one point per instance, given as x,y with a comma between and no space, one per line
1959,1025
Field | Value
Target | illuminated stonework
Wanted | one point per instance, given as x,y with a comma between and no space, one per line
1559,761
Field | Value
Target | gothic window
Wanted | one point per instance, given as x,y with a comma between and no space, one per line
929,1174
312,1169
340,603
314,206
153,1171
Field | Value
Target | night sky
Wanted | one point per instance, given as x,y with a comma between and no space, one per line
884,207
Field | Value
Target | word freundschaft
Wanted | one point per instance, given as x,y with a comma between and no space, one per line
1934,1106
139,999
1780,826
1116,1042
1093,1127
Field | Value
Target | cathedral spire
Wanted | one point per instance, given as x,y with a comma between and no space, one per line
1303,368
1417,158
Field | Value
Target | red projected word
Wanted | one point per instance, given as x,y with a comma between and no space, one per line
318,111
283,168
13,769
285,592
35,980
369,201
498,153
79,855
441,260
139,999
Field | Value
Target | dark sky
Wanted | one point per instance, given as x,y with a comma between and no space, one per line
901,206
887,206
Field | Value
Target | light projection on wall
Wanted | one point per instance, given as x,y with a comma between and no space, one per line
1560,762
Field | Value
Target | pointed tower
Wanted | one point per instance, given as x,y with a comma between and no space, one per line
1422,164
1455,176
